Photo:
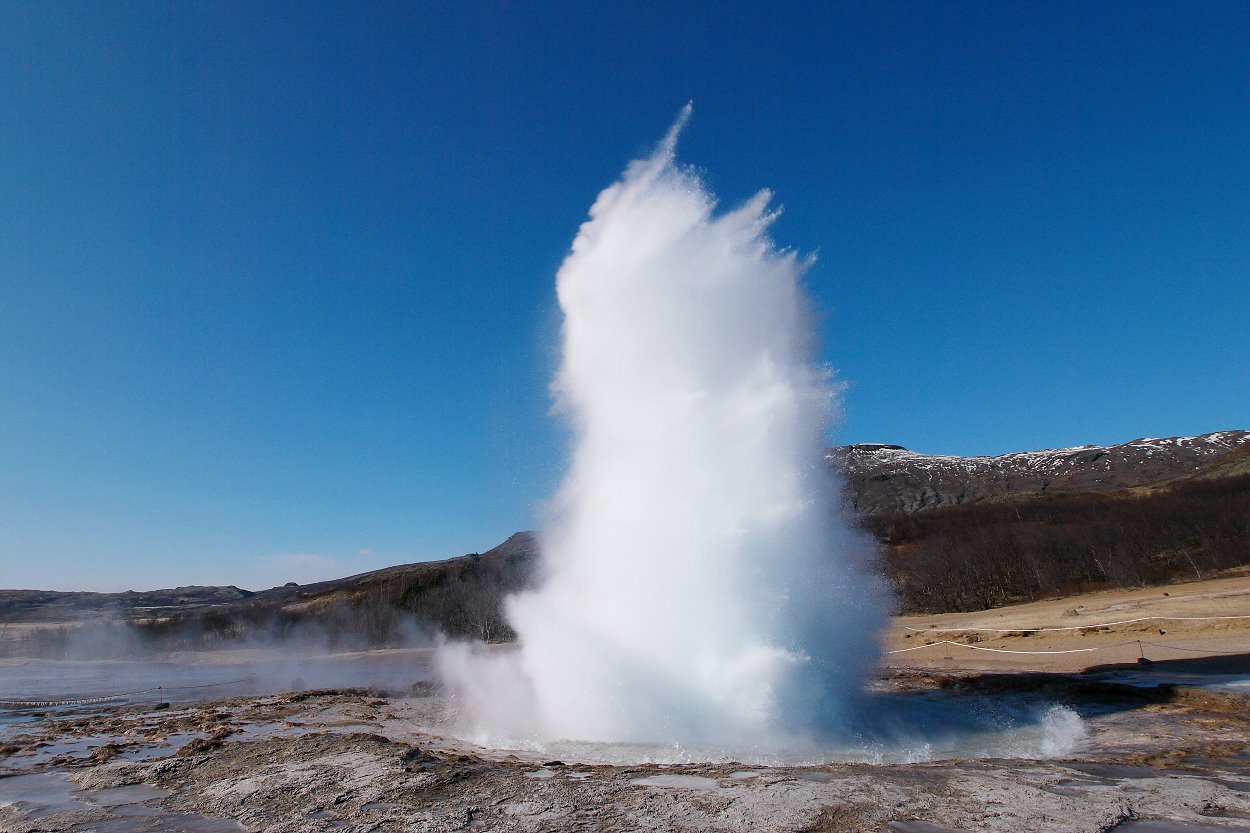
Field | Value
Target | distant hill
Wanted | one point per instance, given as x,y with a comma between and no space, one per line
889,478
957,533
1235,463
459,596
973,533
52,606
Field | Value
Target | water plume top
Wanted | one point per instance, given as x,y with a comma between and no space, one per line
698,585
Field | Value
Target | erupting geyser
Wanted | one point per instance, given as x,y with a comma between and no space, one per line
698,587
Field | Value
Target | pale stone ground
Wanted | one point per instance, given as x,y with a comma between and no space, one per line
361,761
351,761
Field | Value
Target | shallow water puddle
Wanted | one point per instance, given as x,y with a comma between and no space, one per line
39,794
1237,786
8,719
160,822
327,816
1165,826
1111,774
684,782
75,748
1152,679
1226,814
128,748
121,796
905,727
813,775
298,727
383,806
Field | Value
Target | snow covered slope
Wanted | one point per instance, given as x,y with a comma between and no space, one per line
889,478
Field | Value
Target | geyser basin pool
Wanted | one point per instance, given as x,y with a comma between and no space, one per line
699,587
900,726
898,721
922,729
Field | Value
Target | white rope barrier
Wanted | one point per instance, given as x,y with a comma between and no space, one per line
1137,642
82,701
1077,627
1008,651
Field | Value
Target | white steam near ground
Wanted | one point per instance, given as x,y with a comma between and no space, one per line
698,586
102,656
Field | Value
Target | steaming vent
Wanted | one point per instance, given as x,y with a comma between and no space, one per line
699,587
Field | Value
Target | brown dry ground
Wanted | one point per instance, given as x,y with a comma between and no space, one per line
1158,640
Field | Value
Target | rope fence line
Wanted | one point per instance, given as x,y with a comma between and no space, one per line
1179,648
246,679
81,701
1077,627
1137,642
109,698
1006,650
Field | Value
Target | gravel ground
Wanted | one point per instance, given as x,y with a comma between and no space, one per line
357,760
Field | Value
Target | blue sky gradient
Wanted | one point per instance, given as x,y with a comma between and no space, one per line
276,280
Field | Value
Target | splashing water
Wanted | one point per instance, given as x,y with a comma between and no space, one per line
698,586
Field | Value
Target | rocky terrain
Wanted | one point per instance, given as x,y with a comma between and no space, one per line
889,478
357,760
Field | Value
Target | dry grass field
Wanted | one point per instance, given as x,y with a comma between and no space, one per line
1086,631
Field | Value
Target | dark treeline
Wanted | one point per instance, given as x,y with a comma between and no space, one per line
326,625
461,598
359,621
985,555
466,599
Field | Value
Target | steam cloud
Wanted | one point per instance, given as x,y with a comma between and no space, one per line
698,587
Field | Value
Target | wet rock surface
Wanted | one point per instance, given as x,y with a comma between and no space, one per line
354,760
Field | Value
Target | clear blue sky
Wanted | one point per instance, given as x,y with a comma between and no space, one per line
276,283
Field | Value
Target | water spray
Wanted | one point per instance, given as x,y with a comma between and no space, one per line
698,583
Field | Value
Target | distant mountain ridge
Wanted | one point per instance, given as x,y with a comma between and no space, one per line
505,566
889,478
887,485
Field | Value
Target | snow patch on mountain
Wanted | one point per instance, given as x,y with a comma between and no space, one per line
886,478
